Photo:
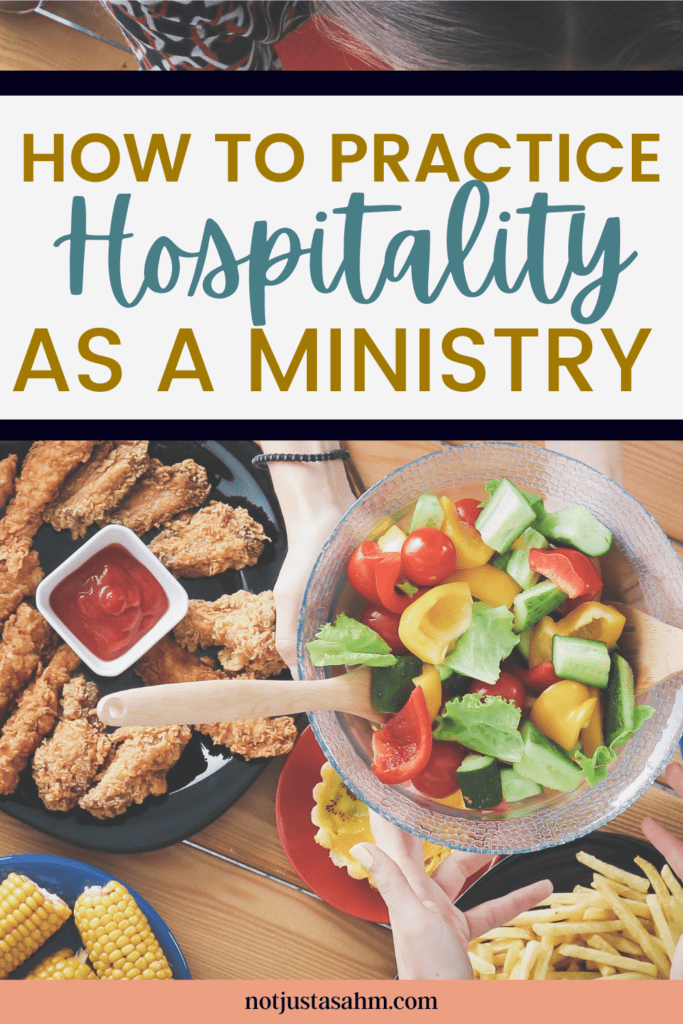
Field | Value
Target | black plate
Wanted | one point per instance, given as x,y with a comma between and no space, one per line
208,778
559,864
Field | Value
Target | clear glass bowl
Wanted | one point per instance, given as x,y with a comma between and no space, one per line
642,569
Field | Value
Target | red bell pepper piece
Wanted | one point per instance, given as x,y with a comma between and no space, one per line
569,570
373,574
537,679
540,677
388,571
403,746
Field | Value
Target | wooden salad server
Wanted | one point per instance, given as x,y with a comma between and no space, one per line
225,700
653,649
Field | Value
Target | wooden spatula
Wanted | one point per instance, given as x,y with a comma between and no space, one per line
225,700
653,649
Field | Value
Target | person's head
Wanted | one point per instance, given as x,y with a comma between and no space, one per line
483,35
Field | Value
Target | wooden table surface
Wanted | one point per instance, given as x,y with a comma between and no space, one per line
32,42
229,894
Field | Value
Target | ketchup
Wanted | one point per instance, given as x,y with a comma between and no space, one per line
109,602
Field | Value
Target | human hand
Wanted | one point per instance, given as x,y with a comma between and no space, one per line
313,497
672,849
431,936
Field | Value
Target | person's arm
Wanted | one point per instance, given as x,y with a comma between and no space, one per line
605,456
313,497
431,935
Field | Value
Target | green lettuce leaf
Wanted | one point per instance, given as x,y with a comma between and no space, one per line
349,642
488,725
480,650
641,714
595,767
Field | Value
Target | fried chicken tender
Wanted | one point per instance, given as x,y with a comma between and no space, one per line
159,494
138,768
8,469
80,698
66,763
33,717
97,486
254,737
243,624
25,638
212,540
44,470
166,662
18,584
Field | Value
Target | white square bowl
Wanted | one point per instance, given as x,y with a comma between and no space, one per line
175,592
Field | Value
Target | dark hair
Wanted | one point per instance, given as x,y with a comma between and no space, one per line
482,35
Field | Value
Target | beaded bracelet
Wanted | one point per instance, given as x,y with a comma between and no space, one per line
260,461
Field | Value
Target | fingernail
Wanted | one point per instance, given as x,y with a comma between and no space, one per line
363,856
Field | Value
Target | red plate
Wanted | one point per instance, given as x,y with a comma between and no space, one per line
312,863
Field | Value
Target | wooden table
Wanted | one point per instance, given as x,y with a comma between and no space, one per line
35,43
231,897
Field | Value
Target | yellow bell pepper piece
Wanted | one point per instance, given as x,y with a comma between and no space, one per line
541,646
562,711
472,551
593,621
430,626
590,621
488,584
454,800
430,681
392,540
591,736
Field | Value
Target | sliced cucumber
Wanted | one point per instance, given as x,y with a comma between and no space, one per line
576,526
504,517
453,682
427,512
584,661
479,778
524,645
392,685
620,702
546,763
531,605
518,562
502,561
516,787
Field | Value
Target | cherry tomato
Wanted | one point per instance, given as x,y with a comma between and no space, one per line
468,509
439,778
361,570
386,624
506,687
428,556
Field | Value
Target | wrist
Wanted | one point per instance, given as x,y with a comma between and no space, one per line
314,486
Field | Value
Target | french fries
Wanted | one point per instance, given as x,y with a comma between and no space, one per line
623,927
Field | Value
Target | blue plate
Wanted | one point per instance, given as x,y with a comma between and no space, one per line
68,879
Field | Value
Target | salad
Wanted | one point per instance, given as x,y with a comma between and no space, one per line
494,658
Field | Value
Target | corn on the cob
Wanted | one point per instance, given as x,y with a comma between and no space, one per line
117,936
62,966
28,917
